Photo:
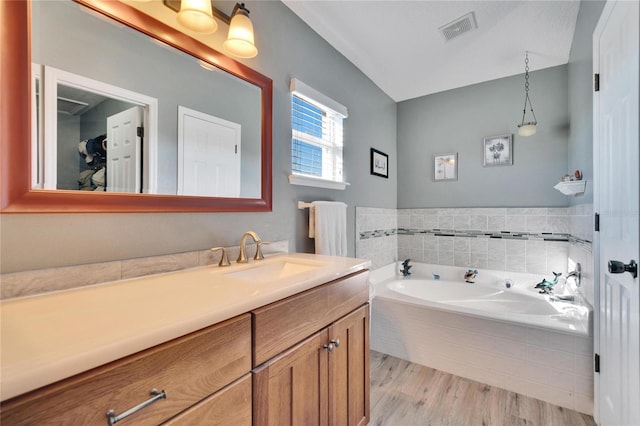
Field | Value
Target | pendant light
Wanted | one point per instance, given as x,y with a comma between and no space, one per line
528,128
239,41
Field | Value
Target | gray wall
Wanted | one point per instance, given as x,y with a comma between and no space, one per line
581,97
288,48
458,120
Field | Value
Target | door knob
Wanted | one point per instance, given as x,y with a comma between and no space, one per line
329,347
617,267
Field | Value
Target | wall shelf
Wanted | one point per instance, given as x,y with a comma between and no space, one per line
573,187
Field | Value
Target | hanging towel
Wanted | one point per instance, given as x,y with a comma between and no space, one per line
328,225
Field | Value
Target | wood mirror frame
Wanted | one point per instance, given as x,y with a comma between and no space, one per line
16,194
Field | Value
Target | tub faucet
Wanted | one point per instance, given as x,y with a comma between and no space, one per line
406,267
242,258
577,274
470,275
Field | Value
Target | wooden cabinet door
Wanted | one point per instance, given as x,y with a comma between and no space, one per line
349,370
291,388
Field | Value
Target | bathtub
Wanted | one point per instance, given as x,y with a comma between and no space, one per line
514,338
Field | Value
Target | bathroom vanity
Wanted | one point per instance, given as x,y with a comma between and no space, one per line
285,340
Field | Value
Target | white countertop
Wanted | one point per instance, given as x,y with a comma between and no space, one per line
50,337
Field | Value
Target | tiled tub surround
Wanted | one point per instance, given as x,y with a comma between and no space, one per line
54,279
376,235
543,363
521,253
533,240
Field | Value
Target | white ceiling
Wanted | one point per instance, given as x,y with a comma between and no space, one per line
398,45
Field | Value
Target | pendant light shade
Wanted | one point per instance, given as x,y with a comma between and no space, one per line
197,16
240,42
528,128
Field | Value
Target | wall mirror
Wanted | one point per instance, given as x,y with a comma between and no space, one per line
122,117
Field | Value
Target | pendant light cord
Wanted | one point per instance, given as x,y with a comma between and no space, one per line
526,90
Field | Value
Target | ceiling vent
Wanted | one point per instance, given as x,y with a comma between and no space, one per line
459,26
71,106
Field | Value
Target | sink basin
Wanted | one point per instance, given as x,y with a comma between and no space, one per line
274,270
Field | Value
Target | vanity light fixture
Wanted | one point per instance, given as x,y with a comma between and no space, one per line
240,38
198,16
528,128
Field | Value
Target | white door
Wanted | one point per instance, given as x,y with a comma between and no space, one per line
616,199
123,151
208,155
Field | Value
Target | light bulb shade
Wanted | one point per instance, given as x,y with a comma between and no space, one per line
197,16
527,129
239,42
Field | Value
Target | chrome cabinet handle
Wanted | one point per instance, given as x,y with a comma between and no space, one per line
329,347
336,342
114,418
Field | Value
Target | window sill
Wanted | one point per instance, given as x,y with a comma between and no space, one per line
317,182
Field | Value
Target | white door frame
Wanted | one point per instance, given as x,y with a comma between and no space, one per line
49,91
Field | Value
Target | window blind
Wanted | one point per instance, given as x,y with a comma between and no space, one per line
317,134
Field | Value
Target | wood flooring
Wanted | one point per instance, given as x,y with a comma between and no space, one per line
408,394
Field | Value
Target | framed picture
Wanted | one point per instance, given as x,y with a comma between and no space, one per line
379,163
445,167
498,150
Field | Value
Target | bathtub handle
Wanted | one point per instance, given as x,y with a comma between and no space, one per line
336,342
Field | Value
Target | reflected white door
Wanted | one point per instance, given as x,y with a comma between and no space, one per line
616,159
208,155
123,151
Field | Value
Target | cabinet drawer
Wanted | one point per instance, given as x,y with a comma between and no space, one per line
282,324
189,369
230,406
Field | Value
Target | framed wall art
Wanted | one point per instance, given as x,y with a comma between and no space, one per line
445,167
379,163
498,150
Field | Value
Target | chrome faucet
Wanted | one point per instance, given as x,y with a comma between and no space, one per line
242,258
577,274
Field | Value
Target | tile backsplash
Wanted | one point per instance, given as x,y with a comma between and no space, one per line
34,282
533,240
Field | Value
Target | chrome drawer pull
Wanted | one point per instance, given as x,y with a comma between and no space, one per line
114,418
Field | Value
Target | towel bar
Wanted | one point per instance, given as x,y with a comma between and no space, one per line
303,205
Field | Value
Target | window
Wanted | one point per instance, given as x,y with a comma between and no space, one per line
317,136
